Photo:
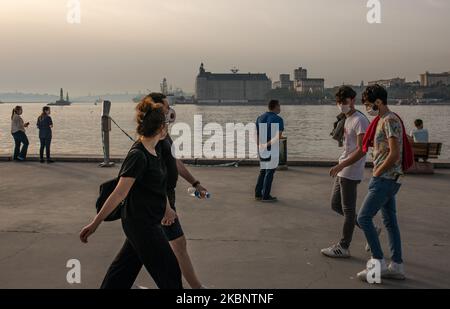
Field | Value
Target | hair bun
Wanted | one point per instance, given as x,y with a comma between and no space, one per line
149,117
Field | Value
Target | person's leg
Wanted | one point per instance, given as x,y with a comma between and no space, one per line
41,149
17,143
349,194
268,180
179,247
177,240
260,183
375,199
336,204
389,213
155,252
124,270
24,140
48,142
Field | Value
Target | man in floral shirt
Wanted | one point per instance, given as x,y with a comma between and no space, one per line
384,186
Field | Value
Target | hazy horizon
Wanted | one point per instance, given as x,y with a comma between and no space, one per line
130,46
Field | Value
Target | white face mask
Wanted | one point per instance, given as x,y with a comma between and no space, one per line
373,112
344,108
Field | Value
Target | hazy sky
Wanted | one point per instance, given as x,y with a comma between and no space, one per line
130,45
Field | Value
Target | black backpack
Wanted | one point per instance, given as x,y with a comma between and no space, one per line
106,189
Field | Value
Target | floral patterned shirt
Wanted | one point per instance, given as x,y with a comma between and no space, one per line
388,126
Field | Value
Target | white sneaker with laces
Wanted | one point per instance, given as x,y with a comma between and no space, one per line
369,268
395,271
336,251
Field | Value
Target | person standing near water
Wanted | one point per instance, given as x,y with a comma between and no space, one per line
143,183
18,132
269,119
349,172
45,126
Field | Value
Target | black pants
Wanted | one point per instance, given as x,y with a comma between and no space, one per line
343,201
20,138
150,248
45,144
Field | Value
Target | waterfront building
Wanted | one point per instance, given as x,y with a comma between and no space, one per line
285,82
303,84
231,87
310,85
388,83
433,79
300,74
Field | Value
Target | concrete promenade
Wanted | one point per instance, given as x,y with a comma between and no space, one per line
235,242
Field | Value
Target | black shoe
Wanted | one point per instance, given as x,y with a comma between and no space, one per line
42,161
258,198
49,161
270,199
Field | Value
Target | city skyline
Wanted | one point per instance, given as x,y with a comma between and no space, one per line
118,48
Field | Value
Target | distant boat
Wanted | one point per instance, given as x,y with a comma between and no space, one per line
61,101
138,98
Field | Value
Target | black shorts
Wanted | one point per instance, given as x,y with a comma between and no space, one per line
174,231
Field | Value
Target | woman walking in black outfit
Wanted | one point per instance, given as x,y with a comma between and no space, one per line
143,183
45,126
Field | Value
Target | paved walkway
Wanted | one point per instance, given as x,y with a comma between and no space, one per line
234,241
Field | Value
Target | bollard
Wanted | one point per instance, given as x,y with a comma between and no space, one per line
283,165
106,128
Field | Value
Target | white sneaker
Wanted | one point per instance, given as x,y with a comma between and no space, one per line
369,268
395,271
336,251
378,233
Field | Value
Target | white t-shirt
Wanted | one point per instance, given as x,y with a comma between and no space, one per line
355,125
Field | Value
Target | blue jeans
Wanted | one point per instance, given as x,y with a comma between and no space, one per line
264,184
20,138
381,195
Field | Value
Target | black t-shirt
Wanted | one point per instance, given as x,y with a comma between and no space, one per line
146,202
171,163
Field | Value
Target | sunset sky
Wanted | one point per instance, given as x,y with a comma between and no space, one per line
131,45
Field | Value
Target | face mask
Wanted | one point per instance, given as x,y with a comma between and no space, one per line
171,116
344,108
373,111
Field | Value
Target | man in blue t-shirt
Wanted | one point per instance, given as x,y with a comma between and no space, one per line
272,126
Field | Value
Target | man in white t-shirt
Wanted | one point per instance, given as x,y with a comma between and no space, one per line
350,170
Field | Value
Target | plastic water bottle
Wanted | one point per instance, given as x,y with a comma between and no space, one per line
195,193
